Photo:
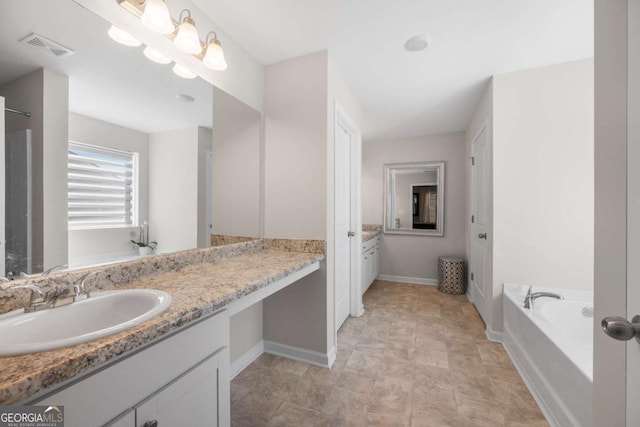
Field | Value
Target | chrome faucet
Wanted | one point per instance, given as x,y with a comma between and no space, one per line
37,300
55,268
79,289
532,296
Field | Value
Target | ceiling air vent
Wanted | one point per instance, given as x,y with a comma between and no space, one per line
36,40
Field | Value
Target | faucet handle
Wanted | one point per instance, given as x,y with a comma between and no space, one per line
37,300
79,289
37,294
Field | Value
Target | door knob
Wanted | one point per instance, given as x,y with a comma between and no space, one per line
153,423
482,236
351,233
621,329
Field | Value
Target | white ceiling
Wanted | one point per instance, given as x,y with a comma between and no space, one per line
407,94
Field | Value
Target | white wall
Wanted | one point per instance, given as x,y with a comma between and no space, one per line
236,167
543,178
540,124
296,148
245,331
114,243
173,189
295,152
44,94
416,256
54,173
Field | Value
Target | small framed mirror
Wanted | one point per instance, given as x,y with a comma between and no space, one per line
414,198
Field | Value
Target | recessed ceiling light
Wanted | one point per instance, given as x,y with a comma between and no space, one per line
417,43
184,98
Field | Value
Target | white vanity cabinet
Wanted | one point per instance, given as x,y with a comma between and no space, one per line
370,262
181,380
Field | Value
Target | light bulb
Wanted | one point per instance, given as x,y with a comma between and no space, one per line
187,39
214,56
155,56
122,37
184,72
156,17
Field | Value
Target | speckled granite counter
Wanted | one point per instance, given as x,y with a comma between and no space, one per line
369,231
197,291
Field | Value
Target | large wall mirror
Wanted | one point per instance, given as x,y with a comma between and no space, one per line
414,198
176,157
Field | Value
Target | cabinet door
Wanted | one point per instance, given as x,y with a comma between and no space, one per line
125,420
190,400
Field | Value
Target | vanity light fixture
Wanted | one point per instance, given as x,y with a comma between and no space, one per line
121,36
154,14
214,56
155,56
184,72
156,17
187,39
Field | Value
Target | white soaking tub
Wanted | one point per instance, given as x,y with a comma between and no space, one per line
551,345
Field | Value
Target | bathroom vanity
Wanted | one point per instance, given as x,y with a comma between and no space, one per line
174,365
370,260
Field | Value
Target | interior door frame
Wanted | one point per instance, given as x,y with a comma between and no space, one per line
611,221
488,287
342,120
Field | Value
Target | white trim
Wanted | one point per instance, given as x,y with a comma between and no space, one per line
332,354
406,279
246,359
300,354
535,393
494,336
247,301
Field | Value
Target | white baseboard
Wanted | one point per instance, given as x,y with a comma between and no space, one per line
332,355
494,336
405,279
246,359
300,354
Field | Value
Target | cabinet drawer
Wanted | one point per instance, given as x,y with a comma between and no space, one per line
366,246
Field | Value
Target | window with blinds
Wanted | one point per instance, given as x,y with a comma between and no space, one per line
102,187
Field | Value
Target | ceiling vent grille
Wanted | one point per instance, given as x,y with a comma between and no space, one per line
36,40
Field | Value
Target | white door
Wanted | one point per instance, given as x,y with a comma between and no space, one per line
343,232
479,223
3,272
616,372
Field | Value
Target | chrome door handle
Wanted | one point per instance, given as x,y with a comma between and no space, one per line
482,236
351,233
621,329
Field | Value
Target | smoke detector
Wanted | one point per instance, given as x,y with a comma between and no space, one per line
36,40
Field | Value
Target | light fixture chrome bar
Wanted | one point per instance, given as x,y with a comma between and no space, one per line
11,110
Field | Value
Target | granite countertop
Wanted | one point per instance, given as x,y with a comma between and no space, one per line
370,231
197,291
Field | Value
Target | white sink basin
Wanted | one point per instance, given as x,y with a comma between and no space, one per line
103,314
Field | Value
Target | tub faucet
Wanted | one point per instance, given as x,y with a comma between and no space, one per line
532,296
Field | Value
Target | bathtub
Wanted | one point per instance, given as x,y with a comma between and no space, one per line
552,348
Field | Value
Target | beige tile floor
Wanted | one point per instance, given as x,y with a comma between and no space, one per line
417,357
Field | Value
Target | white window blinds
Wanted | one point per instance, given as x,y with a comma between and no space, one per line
102,187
